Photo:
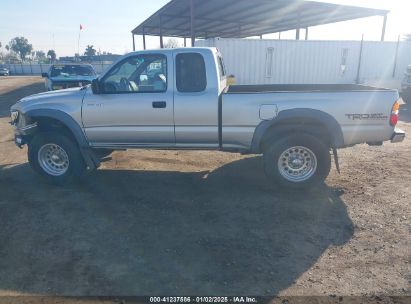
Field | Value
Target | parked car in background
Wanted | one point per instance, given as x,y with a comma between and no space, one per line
64,76
406,85
4,71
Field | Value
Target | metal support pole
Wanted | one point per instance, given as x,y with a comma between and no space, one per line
357,81
161,34
297,31
192,22
396,57
279,35
185,42
384,26
144,38
261,36
306,33
134,42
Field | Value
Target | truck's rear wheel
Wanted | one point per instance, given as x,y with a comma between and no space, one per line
297,161
55,157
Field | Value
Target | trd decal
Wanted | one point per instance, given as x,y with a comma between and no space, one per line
376,116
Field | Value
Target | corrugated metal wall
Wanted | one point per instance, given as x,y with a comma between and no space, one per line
292,61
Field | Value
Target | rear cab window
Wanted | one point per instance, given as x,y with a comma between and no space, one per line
191,73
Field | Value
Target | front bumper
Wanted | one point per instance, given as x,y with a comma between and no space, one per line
398,136
21,134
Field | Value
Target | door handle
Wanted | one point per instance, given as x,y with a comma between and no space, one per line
159,104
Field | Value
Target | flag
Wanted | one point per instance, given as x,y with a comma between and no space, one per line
81,27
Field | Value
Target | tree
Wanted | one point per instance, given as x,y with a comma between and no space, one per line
21,46
40,55
171,43
52,55
90,51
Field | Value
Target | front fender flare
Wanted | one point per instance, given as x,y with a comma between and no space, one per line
90,158
65,119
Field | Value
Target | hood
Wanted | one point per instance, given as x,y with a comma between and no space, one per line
59,99
73,78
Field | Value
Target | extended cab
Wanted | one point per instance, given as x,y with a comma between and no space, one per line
178,99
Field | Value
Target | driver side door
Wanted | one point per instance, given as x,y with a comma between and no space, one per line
135,107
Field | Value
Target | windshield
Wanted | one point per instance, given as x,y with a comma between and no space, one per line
71,70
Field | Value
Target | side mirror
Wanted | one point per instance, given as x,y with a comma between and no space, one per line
44,75
95,86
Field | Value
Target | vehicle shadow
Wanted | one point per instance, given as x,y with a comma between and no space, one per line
225,232
9,98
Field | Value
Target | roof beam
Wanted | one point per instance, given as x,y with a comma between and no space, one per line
244,18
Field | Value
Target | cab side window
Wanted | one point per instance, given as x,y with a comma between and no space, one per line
191,73
137,74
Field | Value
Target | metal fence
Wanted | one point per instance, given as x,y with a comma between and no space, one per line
38,68
255,61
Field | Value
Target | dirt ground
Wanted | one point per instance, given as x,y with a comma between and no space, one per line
203,223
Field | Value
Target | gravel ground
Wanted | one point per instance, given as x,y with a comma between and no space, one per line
186,223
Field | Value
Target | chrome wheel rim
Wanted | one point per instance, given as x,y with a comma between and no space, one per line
53,159
297,164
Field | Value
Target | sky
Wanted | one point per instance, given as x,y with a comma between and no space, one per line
107,25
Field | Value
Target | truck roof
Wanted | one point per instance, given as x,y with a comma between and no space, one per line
182,49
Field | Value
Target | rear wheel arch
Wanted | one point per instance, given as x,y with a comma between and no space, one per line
309,121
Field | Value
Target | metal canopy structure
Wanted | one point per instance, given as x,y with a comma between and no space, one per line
244,18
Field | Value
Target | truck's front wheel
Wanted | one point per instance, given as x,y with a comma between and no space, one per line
55,157
297,161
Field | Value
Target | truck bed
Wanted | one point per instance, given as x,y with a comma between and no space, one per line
267,88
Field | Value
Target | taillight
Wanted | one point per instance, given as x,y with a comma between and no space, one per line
395,114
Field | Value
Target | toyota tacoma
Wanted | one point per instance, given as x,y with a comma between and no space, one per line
178,99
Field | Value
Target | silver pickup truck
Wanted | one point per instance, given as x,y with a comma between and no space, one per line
178,99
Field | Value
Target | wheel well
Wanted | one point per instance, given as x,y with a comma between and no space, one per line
47,124
296,125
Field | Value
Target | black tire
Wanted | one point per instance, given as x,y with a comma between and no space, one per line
76,165
103,153
319,149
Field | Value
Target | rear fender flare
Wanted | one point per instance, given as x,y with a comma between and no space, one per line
333,128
